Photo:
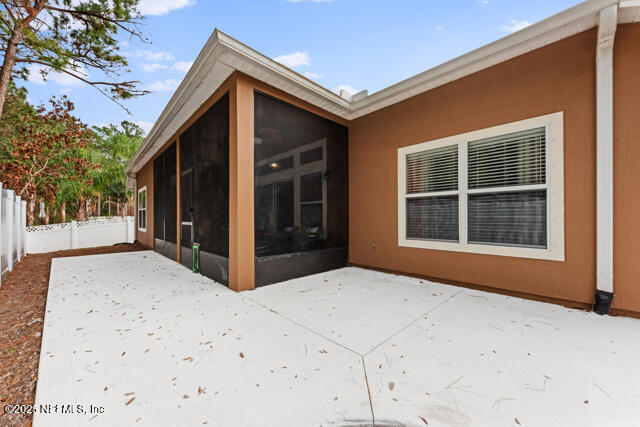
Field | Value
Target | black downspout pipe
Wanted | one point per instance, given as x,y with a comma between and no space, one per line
603,302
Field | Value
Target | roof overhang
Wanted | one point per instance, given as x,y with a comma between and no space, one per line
222,55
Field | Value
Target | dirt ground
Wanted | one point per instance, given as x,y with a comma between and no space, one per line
23,295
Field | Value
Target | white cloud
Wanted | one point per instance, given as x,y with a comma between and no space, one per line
162,7
515,25
163,86
45,20
154,56
438,28
484,2
150,68
346,88
63,79
313,75
146,126
182,66
295,59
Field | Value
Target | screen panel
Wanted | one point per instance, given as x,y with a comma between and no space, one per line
204,181
211,179
165,197
170,195
158,197
300,180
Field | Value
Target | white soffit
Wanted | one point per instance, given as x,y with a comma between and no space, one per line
222,55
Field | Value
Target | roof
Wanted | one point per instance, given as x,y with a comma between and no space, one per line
222,55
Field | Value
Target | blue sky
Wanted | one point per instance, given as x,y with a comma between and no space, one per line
361,44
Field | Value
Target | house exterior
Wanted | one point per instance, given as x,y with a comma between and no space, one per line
513,168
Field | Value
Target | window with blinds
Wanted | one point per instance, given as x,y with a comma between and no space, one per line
507,189
489,191
433,170
432,194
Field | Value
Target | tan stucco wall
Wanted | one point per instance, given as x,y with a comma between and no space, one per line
559,77
626,268
145,178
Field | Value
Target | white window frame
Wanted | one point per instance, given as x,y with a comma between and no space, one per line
554,125
140,208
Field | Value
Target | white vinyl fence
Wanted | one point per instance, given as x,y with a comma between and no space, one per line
80,234
13,226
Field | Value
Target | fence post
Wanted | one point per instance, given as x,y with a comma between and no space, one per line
23,226
130,229
18,231
74,234
10,229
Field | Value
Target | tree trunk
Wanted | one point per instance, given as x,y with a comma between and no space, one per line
99,207
31,206
109,206
117,208
8,63
82,211
63,212
46,215
11,49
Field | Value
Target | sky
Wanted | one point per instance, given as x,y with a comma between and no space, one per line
341,44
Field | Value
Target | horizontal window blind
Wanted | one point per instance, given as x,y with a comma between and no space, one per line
433,218
509,160
512,219
433,170
494,191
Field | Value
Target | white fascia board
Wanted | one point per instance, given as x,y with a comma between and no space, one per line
629,3
241,54
629,12
160,124
565,24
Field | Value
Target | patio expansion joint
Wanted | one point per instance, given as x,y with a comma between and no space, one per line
366,379
364,367
300,324
361,355
417,319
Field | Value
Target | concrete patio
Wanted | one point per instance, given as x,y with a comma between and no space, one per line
147,342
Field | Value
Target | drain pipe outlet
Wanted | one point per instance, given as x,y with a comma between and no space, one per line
604,158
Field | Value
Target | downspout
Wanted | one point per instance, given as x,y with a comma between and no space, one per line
604,158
